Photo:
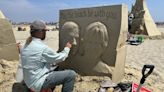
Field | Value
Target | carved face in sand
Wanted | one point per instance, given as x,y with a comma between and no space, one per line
95,40
70,33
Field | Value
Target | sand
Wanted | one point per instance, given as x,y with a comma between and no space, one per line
149,52
7,74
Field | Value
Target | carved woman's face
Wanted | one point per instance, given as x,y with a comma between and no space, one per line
95,40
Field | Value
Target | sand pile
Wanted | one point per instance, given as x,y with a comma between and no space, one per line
7,74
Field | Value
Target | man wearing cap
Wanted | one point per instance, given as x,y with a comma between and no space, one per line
37,59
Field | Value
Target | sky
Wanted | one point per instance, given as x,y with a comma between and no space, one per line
48,10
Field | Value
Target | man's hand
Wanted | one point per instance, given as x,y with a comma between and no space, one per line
18,46
69,45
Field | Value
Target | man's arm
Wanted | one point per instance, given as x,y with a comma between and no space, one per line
52,57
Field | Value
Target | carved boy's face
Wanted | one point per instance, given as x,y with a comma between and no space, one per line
70,33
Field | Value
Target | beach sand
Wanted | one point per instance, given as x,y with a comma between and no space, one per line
149,52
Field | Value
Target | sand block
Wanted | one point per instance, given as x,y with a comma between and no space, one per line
101,42
8,49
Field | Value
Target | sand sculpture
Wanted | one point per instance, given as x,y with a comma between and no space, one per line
8,49
142,23
1,15
70,32
100,44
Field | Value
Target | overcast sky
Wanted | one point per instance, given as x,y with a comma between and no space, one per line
48,10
